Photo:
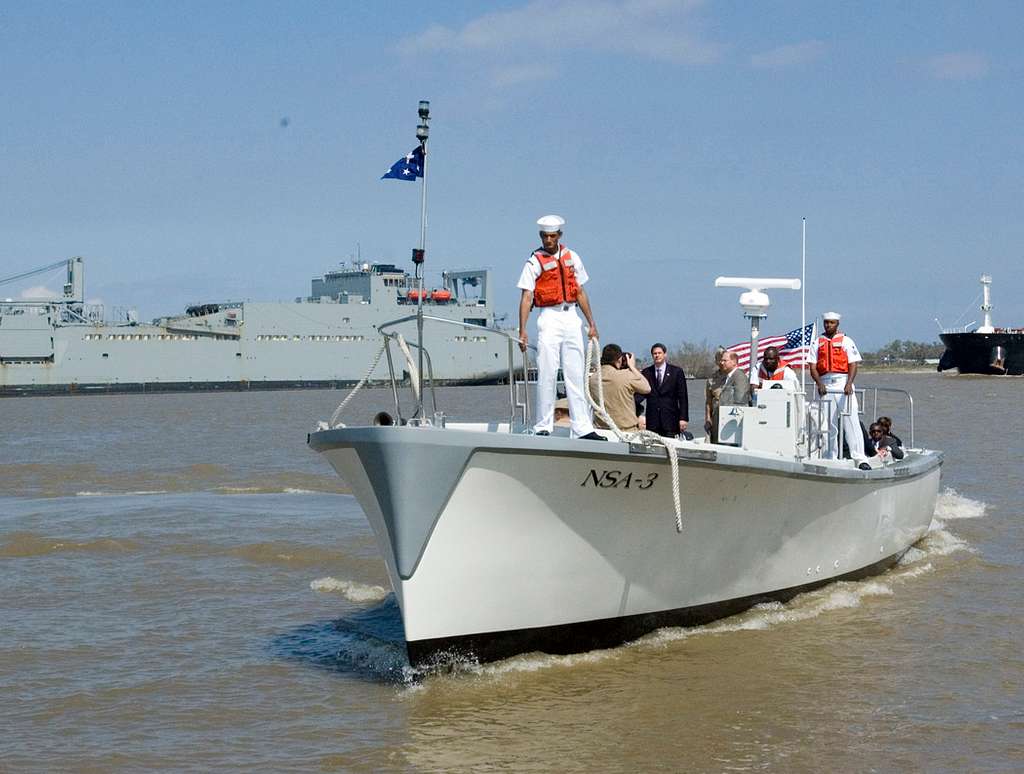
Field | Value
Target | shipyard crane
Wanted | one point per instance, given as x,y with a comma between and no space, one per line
33,272
73,287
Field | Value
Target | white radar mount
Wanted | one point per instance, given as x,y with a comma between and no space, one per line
755,303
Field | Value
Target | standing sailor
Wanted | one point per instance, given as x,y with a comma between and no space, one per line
553,280
834,372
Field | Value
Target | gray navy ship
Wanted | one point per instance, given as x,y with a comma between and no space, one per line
325,340
986,349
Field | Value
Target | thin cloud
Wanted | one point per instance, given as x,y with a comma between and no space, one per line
663,30
515,75
791,55
957,66
38,292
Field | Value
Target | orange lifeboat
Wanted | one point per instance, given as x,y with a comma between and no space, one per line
414,295
441,296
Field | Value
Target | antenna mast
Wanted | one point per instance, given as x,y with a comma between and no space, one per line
419,255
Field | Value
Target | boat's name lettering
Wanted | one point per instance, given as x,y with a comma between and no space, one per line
617,479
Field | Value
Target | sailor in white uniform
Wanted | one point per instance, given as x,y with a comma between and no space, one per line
833,371
553,280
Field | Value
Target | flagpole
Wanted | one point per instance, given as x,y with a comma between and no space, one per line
803,300
422,133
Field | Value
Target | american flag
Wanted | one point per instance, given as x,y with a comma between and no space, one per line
794,347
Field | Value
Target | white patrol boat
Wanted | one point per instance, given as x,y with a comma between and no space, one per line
498,541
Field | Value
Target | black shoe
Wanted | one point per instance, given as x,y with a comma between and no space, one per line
864,466
542,432
593,437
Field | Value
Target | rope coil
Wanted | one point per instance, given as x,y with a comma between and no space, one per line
645,437
640,436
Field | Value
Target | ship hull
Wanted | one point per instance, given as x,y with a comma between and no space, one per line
497,544
150,388
279,346
976,353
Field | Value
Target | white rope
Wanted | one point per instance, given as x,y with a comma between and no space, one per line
333,422
639,436
413,375
414,372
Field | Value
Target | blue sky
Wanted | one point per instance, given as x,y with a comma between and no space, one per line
680,140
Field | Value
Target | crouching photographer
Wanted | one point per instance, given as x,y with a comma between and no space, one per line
621,382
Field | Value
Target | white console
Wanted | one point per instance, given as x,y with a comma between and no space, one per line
771,425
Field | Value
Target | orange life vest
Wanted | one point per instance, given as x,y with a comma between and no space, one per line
776,376
832,357
557,281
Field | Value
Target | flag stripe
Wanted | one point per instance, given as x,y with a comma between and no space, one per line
794,349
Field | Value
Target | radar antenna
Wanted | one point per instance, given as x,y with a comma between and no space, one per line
755,303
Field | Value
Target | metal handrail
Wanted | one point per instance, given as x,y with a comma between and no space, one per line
861,394
513,341
388,338
910,406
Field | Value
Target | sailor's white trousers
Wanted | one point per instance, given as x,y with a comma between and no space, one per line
560,341
838,403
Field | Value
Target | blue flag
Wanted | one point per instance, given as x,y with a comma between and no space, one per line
409,167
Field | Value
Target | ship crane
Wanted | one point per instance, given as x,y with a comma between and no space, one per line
73,288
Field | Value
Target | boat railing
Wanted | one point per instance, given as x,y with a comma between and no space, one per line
519,401
962,329
818,418
908,402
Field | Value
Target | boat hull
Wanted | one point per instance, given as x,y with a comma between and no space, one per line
975,353
608,632
498,544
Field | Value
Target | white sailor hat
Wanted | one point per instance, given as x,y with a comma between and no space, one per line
551,224
831,316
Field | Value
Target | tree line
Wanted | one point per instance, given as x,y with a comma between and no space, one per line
697,359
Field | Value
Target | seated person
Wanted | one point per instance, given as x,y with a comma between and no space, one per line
883,444
773,371
869,450
886,424
620,382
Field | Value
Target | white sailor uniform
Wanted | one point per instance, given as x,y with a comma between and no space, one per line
838,401
559,341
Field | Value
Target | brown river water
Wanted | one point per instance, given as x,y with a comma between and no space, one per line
185,586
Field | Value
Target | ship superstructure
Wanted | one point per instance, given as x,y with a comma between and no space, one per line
323,340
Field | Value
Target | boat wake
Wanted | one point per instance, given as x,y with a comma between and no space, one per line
952,505
351,590
370,641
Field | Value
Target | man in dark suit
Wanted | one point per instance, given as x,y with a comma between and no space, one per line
668,409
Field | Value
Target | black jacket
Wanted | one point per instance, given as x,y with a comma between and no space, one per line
667,403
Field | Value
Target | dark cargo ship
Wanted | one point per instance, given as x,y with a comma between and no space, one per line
985,349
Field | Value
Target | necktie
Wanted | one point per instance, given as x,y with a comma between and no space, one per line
661,375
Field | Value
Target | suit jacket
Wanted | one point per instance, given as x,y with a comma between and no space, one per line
667,403
736,391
